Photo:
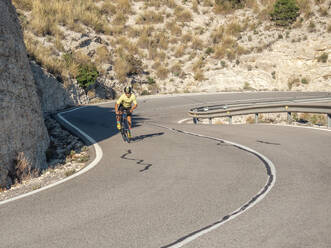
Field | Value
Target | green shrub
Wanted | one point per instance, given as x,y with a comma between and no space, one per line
323,58
150,80
87,75
285,12
209,50
304,81
145,92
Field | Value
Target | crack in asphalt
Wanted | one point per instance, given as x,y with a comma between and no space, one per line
138,161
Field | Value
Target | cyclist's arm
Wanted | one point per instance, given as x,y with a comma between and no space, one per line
134,107
118,103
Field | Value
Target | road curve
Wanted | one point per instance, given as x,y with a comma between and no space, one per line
167,185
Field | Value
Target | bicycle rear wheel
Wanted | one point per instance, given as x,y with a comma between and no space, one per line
124,135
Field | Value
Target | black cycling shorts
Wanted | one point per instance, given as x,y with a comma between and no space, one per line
121,108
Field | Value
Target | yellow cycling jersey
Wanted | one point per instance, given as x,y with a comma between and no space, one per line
127,101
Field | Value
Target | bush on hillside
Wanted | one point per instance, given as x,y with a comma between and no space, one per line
229,4
285,12
87,75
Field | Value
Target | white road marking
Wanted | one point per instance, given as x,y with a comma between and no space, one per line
254,200
98,157
183,120
287,125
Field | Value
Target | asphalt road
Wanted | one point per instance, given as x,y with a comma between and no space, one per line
167,185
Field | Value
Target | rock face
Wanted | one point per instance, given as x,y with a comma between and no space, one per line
53,96
22,127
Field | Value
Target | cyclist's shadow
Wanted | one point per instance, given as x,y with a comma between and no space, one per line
145,136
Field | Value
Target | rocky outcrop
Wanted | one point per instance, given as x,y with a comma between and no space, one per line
53,95
22,128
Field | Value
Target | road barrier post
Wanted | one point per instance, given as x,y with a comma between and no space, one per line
256,118
195,119
329,121
289,117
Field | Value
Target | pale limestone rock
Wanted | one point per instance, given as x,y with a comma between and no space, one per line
22,126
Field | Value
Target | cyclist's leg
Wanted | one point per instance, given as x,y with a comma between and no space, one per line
119,116
129,117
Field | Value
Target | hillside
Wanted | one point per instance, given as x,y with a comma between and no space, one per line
170,46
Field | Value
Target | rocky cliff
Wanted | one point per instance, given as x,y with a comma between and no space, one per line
22,128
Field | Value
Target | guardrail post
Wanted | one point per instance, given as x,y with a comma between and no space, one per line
329,120
289,117
256,118
210,121
230,119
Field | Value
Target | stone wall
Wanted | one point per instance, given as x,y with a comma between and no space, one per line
22,127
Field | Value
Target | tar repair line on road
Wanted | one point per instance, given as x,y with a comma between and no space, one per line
271,171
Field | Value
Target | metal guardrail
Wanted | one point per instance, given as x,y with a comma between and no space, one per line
316,105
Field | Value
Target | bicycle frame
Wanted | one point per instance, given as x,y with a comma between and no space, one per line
125,127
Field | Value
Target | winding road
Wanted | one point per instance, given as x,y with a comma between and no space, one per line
184,185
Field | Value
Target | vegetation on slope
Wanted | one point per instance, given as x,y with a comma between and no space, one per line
155,37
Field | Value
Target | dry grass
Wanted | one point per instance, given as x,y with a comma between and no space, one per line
323,11
121,69
182,14
162,40
187,37
180,51
45,56
198,75
234,28
305,7
217,35
119,19
25,5
329,28
197,43
316,119
102,55
108,7
152,53
22,167
47,15
227,48
150,17
174,28
162,72
195,6
176,70
115,30
127,45
123,6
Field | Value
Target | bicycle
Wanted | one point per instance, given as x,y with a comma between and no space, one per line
125,131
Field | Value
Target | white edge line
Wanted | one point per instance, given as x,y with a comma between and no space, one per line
183,120
286,125
98,157
260,198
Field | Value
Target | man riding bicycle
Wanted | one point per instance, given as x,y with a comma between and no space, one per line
124,103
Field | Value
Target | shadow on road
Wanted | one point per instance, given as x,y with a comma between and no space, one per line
142,137
99,122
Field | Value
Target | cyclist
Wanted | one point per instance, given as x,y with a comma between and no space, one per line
124,103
